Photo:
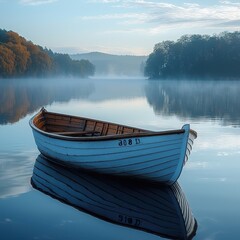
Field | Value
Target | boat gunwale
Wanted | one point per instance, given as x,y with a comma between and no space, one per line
146,133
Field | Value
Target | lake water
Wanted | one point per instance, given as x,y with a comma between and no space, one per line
210,180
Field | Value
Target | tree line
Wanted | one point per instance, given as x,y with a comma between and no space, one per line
196,56
21,58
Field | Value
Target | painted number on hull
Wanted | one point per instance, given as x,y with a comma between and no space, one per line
129,142
129,220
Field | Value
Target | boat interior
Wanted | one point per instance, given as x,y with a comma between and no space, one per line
66,125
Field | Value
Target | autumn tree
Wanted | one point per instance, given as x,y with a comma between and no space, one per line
19,57
39,63
7,61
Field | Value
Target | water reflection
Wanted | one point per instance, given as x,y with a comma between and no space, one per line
22,96
196,99
15,171
161,210
186,99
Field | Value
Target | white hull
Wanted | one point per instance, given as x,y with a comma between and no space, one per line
161,210
157,158
111,148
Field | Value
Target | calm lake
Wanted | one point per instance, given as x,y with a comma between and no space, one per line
209,181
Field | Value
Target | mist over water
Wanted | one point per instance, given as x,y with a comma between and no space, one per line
215,100
115,66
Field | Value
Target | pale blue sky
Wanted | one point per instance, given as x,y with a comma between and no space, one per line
115,26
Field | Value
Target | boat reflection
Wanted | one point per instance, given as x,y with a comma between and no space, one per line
158,209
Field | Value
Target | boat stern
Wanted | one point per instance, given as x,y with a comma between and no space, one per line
185,151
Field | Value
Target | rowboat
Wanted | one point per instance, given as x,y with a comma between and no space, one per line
155,208
111,148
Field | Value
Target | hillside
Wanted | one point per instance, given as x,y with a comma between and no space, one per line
21,58
114,65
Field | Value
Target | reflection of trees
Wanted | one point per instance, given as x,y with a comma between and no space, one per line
195,99
18,98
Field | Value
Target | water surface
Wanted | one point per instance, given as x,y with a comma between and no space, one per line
209,180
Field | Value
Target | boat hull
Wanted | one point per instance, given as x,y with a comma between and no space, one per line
157,158
111,148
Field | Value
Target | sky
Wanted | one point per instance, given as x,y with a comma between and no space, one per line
129,27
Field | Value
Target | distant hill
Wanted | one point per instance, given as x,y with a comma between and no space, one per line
114,65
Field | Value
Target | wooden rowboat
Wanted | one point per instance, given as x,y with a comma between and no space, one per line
112,148
159,209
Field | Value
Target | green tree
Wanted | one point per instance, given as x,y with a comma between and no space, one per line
196,56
